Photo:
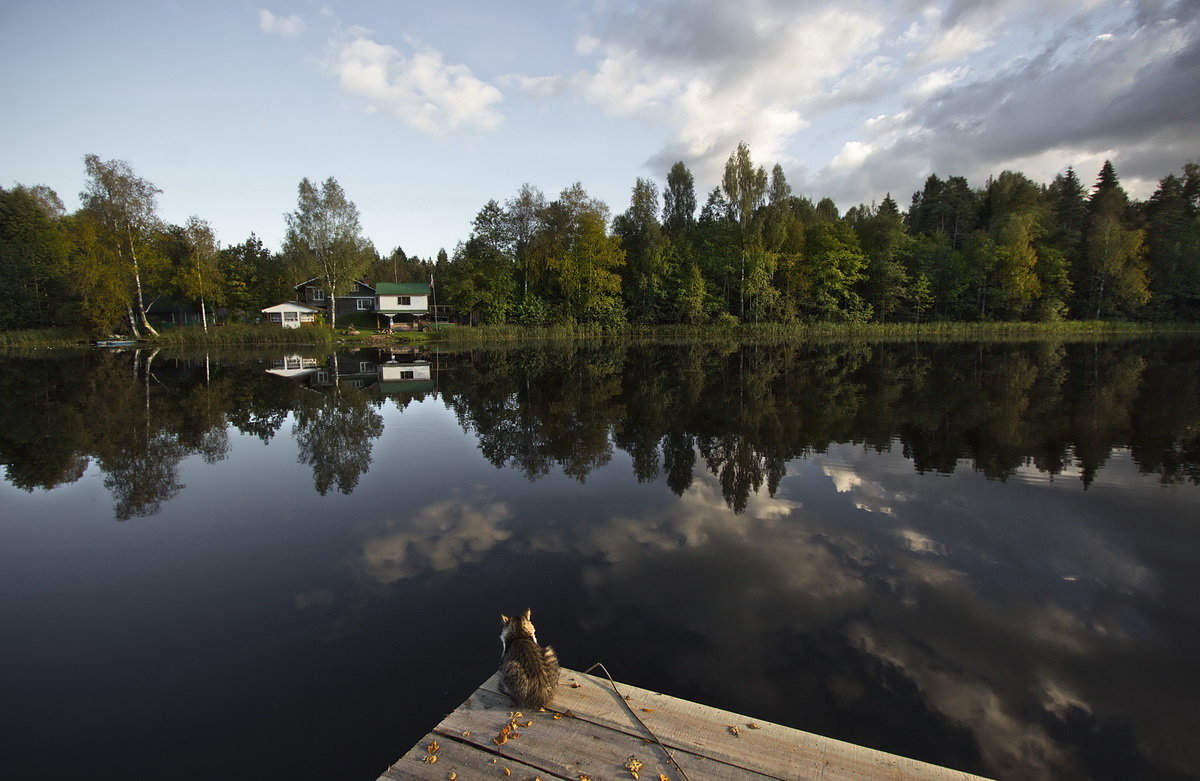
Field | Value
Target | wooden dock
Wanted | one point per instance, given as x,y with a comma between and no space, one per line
593,733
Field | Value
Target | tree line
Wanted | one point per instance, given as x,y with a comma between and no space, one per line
754,251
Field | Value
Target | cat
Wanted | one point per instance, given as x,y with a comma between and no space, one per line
528,672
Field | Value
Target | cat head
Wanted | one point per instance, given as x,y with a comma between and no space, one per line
517,626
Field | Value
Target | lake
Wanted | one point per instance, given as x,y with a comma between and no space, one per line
292,565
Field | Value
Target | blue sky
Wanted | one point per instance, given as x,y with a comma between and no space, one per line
424,111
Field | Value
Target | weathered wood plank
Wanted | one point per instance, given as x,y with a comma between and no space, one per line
590,732
462,761
771,748
570,747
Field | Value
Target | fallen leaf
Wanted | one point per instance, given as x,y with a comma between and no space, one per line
733,730
433,747
558,716
528,723
452,776
647,710
752,725
576,685
661,777
507,772
466,733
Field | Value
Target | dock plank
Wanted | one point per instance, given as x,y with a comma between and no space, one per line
590,731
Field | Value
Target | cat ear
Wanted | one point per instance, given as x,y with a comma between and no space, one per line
503,619
526,615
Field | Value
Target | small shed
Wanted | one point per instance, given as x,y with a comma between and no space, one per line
290,314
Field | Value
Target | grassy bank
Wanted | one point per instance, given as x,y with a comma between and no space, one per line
251,335
803,331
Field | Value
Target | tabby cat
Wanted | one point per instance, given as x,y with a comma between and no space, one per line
528,672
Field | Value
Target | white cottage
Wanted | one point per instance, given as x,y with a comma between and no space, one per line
290,314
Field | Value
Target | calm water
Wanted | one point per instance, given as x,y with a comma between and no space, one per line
291,566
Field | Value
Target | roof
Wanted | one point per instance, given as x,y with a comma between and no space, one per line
319,280
290,306
402,289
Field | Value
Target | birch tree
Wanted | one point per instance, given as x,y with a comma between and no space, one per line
324,234
126,207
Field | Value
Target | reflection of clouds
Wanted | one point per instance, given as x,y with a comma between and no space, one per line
869,495
436,538
956,585
318,597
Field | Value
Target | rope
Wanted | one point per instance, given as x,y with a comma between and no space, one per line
625,702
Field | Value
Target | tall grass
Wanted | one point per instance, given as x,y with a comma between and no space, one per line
44,337
1069,329
238,333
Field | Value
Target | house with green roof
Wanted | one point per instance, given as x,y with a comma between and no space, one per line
403,304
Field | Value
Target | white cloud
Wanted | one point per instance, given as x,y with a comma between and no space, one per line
421,89
716,76
437,538
287,26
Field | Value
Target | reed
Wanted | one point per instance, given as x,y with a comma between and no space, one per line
238,333
44,337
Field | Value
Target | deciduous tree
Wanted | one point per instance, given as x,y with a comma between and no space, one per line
324,234
125,206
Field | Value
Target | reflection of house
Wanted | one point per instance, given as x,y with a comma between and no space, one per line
294,366
406,372
353,370
289,314
361,297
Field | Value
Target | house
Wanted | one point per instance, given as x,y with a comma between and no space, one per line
404,305
361,297
290,314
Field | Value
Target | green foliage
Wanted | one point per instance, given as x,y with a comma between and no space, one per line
324,236
756,253
33,256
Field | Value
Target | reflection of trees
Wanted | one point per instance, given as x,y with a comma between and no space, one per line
136,414
743,412
334,434
747,410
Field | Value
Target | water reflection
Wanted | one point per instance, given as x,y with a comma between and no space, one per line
743,413
979,555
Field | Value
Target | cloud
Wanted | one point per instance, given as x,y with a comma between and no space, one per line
981,86
287,26
420,88
437,538
717,74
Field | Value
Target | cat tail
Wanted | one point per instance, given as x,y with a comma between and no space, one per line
550,666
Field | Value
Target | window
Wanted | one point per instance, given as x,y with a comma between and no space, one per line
291,317
408,375
317,294
364,304
322,377
276,317
365,367
404,301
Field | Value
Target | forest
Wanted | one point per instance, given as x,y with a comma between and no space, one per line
754,251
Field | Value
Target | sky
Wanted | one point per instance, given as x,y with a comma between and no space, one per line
424,111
